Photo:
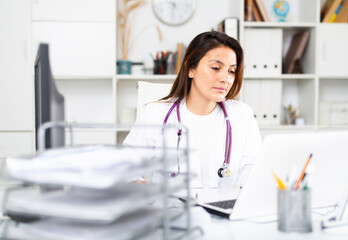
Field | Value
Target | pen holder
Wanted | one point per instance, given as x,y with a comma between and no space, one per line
160,67
294,210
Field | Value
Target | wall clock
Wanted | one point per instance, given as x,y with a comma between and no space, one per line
174,12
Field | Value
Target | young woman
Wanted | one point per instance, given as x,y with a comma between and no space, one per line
223,133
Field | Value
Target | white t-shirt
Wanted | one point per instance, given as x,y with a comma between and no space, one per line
207,139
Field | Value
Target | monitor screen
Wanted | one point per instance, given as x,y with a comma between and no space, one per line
49,103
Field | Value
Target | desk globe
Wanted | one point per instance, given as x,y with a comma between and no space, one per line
281,9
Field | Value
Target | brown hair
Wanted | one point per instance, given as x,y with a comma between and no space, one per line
196,50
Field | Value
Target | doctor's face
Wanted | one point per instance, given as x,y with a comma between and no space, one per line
213,77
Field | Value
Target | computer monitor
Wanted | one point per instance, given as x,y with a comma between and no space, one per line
49,103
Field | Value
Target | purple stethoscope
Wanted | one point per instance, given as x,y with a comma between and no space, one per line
224,171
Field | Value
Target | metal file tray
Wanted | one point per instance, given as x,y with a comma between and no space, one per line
131,226
84,205
105,208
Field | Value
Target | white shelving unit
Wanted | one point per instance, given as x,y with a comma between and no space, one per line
307,89
92,91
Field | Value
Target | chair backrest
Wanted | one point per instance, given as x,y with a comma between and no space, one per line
149,92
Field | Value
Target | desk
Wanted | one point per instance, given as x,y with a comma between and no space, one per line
223,229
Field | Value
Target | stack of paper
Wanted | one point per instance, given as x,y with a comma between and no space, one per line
126,227
92,167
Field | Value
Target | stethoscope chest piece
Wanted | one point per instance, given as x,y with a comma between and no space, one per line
224,171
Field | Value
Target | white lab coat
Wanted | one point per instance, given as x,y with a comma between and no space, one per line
246,140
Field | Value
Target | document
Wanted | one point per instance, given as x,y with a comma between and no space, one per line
131,226
84,205
98,166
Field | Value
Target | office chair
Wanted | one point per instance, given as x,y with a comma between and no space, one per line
149,92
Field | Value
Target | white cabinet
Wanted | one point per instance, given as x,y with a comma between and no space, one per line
16,86
74,10
333,40
82,39
81,35
16,143
82,47
78,48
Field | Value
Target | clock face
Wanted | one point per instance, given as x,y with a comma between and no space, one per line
174,12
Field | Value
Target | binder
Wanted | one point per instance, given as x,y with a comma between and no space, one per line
265,98
262,10
274,101
251,96
263,52
250,63
257,16
248,10
230,27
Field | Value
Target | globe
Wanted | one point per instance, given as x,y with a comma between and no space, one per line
281,9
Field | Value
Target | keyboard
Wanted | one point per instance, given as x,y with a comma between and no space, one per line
220,208
224,204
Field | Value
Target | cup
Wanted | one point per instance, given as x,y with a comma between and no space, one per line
124,67
294,210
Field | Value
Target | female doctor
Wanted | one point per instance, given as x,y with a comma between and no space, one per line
223,132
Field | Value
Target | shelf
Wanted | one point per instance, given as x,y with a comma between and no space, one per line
89,130
331,127
334,77
160,77
283,76
278,25
284,128
16,131
304,128
81,78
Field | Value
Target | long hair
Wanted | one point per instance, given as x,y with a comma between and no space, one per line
196,50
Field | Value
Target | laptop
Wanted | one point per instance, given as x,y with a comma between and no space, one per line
282,153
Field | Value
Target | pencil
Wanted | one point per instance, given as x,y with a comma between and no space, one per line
303,172
279,181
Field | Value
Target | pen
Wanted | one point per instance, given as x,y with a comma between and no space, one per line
279,181
303,172
304,182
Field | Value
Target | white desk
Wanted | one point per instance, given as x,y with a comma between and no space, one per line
221,229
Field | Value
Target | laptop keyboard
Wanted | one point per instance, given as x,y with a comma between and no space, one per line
224,204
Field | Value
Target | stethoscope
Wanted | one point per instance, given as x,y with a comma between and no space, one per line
224,171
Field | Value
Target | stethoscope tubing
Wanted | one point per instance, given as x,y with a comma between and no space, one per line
228,144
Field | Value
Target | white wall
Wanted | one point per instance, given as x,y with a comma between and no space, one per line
144,38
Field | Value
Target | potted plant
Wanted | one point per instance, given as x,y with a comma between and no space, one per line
124,64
